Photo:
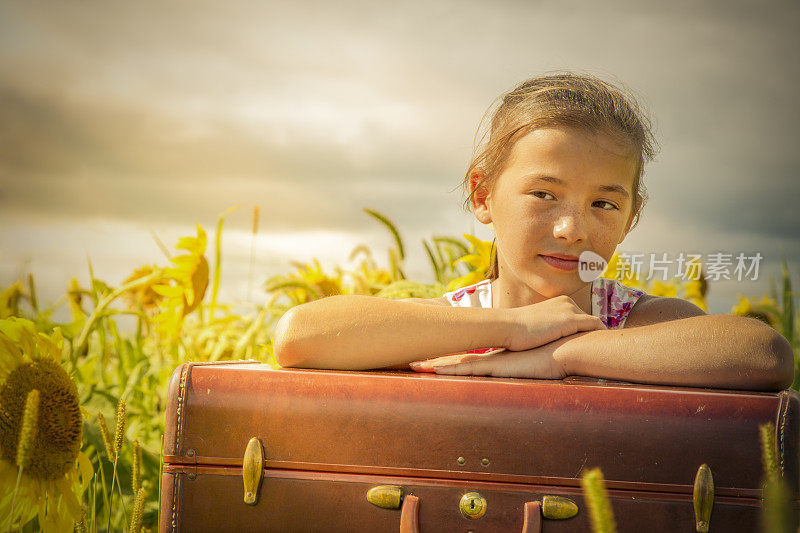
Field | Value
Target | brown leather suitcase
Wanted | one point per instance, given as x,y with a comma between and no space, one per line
400,451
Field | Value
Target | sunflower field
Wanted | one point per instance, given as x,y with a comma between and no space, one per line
82,402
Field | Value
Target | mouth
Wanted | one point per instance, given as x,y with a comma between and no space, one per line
561,262
562,256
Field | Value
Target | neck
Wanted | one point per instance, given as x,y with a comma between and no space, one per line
507,294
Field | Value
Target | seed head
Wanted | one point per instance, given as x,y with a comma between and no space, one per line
106,434
28,432
119,430
136,514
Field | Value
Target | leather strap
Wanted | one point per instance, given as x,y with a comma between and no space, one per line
533,518
409,514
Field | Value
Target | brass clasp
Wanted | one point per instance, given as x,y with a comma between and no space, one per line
703,497
385,496
252,470
558,507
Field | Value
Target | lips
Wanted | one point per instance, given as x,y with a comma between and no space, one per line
561,262
562,256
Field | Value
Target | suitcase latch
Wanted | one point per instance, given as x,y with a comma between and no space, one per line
385,496
252,470
703,497
558,507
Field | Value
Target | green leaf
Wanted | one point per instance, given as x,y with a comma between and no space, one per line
437,271
392,228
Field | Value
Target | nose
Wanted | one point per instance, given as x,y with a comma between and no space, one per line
570,226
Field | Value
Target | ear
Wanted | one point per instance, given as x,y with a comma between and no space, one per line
479,197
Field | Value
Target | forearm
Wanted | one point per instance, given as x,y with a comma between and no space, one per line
739,353
361,332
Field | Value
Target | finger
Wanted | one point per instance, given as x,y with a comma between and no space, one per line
469,368
589,323
428,364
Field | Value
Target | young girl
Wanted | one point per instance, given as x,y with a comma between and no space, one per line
560,175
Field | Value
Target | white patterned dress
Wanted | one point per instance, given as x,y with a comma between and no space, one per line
611,301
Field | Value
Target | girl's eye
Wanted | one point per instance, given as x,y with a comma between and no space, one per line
609,205
541,194
604,205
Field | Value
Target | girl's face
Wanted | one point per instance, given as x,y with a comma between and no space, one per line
564,191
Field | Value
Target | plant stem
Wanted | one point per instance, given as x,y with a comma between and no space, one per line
14,499
111,498
103,481
100,307
94,504
217,263
124,512
252,254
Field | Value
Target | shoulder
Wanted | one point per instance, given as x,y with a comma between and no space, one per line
655,309
428,301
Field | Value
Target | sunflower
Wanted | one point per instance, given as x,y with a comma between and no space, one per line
56,472
480,260
665,289
143,295
312,274
368,278
184,285
308,283
765,310
623,272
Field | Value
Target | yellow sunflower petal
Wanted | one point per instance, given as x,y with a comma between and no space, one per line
70,500
9,350
463,281
190,244
86,470
480,246
51,521
168,290
474,261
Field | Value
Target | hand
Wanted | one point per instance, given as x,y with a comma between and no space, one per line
427,365
537,363
547,321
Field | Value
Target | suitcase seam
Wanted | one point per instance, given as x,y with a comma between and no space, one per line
175,484
181,407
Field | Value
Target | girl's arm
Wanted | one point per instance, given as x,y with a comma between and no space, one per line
360,332
680,344
666,341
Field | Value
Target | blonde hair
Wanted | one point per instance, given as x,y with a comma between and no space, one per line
568,99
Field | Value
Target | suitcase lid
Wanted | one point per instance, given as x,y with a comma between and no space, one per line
547,432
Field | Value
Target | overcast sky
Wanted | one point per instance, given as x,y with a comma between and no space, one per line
121,118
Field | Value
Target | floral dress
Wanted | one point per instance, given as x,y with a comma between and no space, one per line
611,300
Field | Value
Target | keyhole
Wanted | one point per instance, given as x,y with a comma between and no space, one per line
472,505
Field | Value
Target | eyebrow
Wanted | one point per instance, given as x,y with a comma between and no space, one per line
619,189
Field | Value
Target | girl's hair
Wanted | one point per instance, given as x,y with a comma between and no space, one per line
562,99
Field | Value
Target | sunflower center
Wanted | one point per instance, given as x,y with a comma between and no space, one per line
59,426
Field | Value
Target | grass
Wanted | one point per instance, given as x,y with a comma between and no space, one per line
178,319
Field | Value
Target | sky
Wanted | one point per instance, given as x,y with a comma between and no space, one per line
120,121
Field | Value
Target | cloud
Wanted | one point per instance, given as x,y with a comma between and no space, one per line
314,110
